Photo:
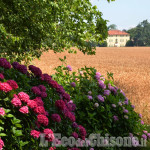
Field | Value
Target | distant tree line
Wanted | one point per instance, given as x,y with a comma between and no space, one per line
140,35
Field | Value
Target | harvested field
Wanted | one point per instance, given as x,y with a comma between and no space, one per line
131,68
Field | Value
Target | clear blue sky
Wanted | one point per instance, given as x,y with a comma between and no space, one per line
124,13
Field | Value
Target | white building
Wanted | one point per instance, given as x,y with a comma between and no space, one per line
117,38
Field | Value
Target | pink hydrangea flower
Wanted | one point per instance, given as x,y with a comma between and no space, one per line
23,97
32,104
1,144
35,133
24,110
49,135
5,87
52,148
16,102
2,111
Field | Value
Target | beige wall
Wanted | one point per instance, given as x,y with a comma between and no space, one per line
121,39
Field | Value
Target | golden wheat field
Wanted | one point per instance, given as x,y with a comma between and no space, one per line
131,68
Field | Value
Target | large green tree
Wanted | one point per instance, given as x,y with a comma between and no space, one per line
29,27
141,34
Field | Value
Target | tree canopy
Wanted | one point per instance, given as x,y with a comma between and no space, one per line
141,34
112,27
27,28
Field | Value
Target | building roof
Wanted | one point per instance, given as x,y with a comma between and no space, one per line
117,32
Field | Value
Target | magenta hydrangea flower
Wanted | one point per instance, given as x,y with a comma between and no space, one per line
2,111
73,84
56,118
75,125
19,67
35,133
5,87
42,88
24,110
42,119
82,132
43,94
100,98
4,63
66,96
75,135
35,70
60,104
1,144
36,90
16,102
47,78
40,110
23,97
1,76
69,68
13,84
39,101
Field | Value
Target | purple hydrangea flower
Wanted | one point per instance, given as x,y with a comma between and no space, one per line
101,84
125,111
133,106
113,105
126,102
69,68
106,92
89,92
142,122
144,137
100,98
115,118
73,84
140,115
90,97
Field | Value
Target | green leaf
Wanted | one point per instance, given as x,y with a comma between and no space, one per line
2,134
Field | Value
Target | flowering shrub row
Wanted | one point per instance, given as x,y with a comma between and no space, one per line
101,106
33,103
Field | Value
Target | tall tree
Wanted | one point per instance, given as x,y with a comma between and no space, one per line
141,34
27,28
112,27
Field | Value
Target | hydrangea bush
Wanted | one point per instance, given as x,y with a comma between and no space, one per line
101,106
31,104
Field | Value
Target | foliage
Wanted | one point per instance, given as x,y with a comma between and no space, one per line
141,34
101,106
129,43
103,44
27,28
31,105
112,27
